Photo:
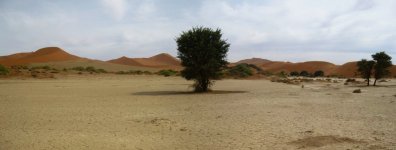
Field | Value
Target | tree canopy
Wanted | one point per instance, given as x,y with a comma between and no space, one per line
379,67
365,68
202,52
382,64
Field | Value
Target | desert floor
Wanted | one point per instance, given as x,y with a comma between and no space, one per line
152,112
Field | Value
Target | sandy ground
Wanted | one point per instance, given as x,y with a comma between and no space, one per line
151,112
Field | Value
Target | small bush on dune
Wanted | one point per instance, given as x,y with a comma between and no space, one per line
3,70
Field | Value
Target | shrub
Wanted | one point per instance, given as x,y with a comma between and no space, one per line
282,74
121,72
3,70
41,67
258,69
267,73
90,69
240,70
294,73
101,71
138,72
147,72
319,73
79,68
304,73
167,73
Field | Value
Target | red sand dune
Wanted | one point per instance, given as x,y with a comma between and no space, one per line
346,70
48,54
310,66
164,61
125,61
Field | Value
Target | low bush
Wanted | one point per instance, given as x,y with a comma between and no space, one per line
41,67
3,70
79,68
134,72
101,71
240,70
90,69
282,74
294,73
318,73
167,73
304,73
147,72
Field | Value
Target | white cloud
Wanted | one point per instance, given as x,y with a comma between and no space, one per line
116,8
336,31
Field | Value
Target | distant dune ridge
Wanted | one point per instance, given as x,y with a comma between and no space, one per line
162,60
47,54
57,57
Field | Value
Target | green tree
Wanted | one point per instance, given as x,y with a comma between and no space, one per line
318,73
365,69
382,64
202,52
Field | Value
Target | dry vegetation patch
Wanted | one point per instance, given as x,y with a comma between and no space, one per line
320,141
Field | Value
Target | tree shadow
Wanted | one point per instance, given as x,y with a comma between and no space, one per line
371,86
164,93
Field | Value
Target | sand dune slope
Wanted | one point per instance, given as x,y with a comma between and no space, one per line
48,54
164,61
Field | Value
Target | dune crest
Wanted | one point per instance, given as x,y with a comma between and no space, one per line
163,61
47,54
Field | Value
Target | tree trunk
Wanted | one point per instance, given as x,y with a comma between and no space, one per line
375,81
202,85
368,81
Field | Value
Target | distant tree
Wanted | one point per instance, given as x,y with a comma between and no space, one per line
304,73
202,52
318,73
294,73
382,64
3,70
365,69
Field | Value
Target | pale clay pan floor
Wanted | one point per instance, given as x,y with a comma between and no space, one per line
151,112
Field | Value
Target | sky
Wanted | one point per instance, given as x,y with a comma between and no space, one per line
337,31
